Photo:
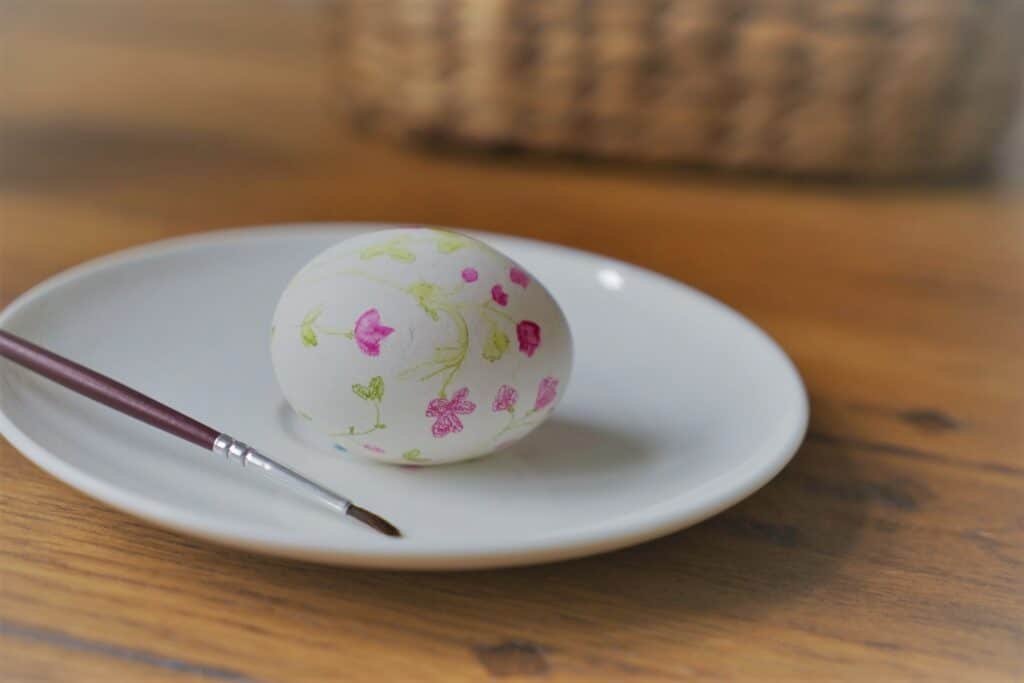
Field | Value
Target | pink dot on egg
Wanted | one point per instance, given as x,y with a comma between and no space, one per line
470,275
519,276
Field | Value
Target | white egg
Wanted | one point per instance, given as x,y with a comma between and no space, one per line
420,346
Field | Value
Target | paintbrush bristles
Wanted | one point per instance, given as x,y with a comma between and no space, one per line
379,523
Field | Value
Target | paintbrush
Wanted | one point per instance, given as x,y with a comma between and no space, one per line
126,400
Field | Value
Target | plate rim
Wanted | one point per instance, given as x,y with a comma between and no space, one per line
713,495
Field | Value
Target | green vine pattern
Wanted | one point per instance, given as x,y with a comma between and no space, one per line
516,422
309,327
373,393
447,360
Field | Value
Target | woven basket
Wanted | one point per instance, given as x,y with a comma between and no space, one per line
848,87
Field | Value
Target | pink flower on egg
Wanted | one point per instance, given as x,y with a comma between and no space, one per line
470,275
519,276
369,333
506,399
528,333
375,449
499,295
546,393
447,411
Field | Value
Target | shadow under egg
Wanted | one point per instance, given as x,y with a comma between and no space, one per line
561,448
565,446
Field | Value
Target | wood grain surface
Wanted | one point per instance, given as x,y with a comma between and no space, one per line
892,548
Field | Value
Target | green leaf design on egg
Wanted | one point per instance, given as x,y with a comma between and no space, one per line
496,344
450,242
429,296
377,388
306,330
374,391
393,248
414,456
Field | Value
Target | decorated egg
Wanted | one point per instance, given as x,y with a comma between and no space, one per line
419,346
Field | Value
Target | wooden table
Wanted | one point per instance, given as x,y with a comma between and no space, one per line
891,548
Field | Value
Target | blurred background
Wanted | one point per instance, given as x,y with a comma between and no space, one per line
121,122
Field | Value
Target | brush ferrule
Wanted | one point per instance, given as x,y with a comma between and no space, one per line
232,449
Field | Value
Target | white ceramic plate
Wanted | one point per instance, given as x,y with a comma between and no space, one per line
678,408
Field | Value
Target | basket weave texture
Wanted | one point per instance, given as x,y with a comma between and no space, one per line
849,87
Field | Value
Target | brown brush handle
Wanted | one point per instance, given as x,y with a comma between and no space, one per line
105,390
